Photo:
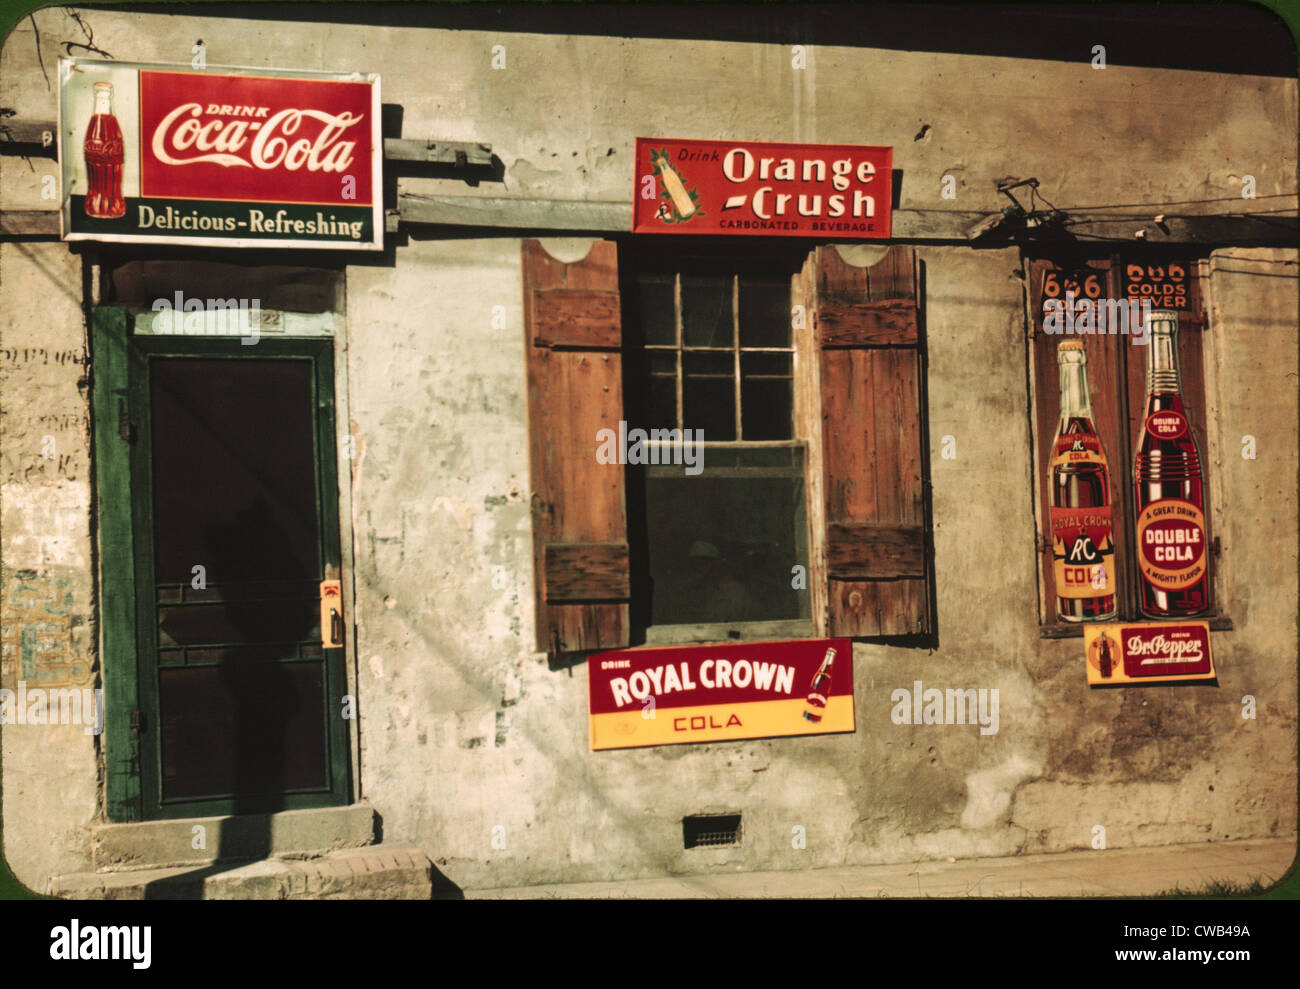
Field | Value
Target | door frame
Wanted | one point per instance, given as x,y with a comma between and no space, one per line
123,474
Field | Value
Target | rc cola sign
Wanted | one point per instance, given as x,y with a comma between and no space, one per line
233,157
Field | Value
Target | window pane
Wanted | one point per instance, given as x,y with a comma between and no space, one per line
766,397
706,311
662,396
722,543
764,311
766,365
657,309
709,395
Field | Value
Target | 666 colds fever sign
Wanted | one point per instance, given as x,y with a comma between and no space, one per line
240,157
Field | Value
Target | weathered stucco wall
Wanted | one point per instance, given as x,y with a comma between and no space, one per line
47,595
463,727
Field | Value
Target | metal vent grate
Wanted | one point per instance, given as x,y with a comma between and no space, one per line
710,830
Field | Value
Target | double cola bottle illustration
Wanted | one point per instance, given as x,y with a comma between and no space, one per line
1171,552
1083,545
105,155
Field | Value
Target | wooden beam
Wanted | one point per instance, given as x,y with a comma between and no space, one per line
29,223
39,134
460,153
35,136
908,225
615,217
528,214
1238,229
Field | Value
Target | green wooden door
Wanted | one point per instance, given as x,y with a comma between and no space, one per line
227,699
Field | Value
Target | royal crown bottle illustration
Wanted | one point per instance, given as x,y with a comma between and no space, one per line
1171,551
1083,546
821,688
105,154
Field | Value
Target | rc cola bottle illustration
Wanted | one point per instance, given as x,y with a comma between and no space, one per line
821,688
1083,545
105,155
1171,551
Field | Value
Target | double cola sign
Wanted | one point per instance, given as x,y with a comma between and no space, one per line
165,154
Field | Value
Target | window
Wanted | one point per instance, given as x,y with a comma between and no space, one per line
1116,370
806,373
709,351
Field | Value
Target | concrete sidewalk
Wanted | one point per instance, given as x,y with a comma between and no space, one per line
1111,872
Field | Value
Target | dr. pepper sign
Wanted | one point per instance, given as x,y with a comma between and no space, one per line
717,693
1148,653
762,189
166,154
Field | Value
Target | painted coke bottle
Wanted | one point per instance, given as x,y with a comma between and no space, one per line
104,157
1171,552
821,688
1105,662
1083,545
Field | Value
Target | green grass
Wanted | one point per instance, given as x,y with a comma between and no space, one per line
10,888
1217,888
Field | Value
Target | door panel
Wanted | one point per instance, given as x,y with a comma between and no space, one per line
235,525
234,481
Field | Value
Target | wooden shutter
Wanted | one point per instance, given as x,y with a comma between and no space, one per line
575,389
867,330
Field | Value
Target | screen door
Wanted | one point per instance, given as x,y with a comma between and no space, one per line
235,527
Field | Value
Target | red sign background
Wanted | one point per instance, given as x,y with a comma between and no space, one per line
234,110
804,656
1190,643
763,189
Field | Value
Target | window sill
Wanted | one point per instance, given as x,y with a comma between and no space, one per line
1218,623
723,632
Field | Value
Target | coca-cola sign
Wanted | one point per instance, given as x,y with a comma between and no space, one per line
278,140
223,156
1149,652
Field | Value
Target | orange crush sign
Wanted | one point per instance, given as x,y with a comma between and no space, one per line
718,693
762,189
